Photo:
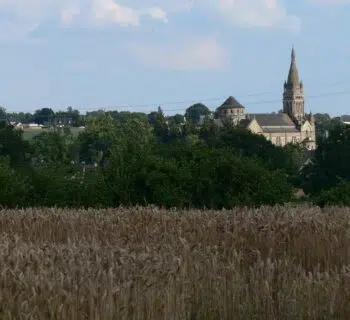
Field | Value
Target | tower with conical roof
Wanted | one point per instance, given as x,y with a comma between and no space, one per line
293,95
231,110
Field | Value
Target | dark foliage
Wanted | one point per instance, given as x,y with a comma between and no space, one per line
124,158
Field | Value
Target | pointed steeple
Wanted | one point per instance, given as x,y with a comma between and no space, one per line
293,75
293,95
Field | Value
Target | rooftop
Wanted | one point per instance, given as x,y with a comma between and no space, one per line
231,102
273,119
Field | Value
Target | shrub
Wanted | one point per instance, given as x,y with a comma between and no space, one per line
338,195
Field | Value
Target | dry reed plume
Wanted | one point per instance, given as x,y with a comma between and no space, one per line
146,263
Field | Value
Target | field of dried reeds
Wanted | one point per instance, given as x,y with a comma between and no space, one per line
147,263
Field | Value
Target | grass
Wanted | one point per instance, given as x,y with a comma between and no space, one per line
147,263
29,134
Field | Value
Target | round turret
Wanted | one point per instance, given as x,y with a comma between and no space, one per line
231,109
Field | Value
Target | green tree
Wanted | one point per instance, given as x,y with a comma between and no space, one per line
13,145
3,113
71,186
295,156
223,179
94,143
122,167
166,182
14,187
20,117
176,119
70,117
52,147
160,126
194,112
339,195
244,143
330,164
324,124
44,116
124,116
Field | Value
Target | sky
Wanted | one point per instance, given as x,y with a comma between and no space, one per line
135,55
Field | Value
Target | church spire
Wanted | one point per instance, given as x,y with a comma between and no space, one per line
293,75
293,95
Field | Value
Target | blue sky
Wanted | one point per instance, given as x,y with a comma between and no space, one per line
135,55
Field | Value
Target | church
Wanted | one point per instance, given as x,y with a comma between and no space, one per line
292,125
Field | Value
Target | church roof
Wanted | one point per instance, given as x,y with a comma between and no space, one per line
231,102
293,74
244,123
273,120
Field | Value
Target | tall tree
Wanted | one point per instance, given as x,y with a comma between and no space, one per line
331,162
94,143
194,112
160,126
123,166
51,147
324,124
13,146
3,113
44,116
14,187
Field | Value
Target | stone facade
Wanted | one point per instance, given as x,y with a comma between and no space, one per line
292,125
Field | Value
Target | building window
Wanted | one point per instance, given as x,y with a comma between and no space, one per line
294,139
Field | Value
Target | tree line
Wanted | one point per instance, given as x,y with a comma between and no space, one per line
124,158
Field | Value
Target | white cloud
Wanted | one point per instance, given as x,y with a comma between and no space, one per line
191,54
257,13
108,11
243,13
26,13
158,14
67,15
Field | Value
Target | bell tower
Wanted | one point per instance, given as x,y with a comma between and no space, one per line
293,95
